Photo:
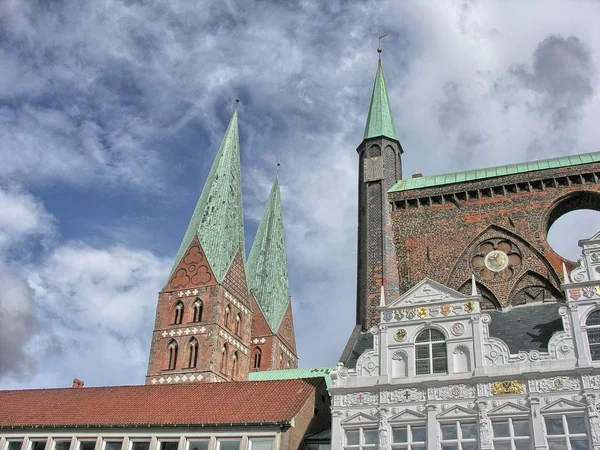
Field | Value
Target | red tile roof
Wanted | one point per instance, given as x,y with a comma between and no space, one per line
182,404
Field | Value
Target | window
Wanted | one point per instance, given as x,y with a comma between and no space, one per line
193,349
140,445
172,354
37,445
228,444
62,444
168,445
178,314
234,365
227,313
459,435
197,310
511,434
430,352
113,445
224,354
257,356
262,444
14,445
566,433
238,321
197,444
410,437
362,438
593,333
87,445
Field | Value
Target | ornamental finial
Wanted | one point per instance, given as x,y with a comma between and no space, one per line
379,49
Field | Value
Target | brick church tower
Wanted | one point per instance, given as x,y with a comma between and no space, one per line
208,326
379,168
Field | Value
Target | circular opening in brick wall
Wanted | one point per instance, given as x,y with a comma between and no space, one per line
568,229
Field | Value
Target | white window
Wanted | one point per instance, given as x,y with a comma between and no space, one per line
14,445
168,445
113,444
262,443
228,444
430,352
62,444
511,434
566,433
410,437
140,445
592,325
459,435
86,445
197,444
362,438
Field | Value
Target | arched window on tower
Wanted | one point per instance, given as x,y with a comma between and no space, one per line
257,357
178,313
172,354
224,354
234,365
198,310
238,323
430,352
592,325
193,349
227,314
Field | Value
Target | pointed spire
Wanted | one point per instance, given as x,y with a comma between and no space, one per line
382,297
267,267
218,218
473,286
565,274
380,121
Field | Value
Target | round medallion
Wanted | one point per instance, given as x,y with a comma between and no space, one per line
458,329
496,260
456,391
400,335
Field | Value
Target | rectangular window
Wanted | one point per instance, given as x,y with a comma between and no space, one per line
116,444
37,445
410,437
362,438
140,445
511,434
62,445
566,433
262,443
14,445
197,444
459,435
168,445
228,444
87,445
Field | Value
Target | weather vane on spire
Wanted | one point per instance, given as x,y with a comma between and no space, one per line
379,48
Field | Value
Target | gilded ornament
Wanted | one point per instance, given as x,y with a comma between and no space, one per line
399,314
410,313
422,312
469,307
445,309
507,387
400,335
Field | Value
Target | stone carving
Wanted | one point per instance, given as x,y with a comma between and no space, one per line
507,387
558,384
455,391
383,429
406,395
484,426
368,364
497,248
590,402
427,294
342,370
400,335
361,398
399,354
457,329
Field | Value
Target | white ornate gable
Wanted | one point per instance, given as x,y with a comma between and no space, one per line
427,292
509,408
457,411
407,414
358,419
588,268
562,405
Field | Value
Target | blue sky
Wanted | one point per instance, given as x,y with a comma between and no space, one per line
111,113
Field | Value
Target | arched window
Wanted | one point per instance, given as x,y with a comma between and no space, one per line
593,333
198,310
257,357
238,322
430,352
193,348
227,314
224,354
172,354
178,313
234,365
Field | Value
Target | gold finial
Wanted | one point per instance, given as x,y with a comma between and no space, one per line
379,48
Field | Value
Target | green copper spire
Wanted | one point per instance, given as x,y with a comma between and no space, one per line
380,121
267,267
217,219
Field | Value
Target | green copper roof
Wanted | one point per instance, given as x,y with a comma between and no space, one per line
379,120
493,172
288,374
217,219
267,267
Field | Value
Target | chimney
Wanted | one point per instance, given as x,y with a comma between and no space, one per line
77,383
417,175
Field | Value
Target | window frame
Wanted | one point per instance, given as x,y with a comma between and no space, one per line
594,327
33,441
429,345
193,353
197,309
361,437
227,438
160,442
133,441
178,313
109,440
55,441
565,437
410,443
79,441
9,440
203,439
511,438
261,438
459,441
173,349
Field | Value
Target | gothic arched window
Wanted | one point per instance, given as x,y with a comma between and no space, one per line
224,354
238,322
234,365
178,313
172,354
430,352
193,349
593,334
198,310
257,357
227,314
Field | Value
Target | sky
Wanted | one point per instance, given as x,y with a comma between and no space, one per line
112,111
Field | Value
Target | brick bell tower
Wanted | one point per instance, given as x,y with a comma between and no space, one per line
204,315
380,167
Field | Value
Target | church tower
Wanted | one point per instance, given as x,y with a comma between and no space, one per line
379,169
204,319
273,340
